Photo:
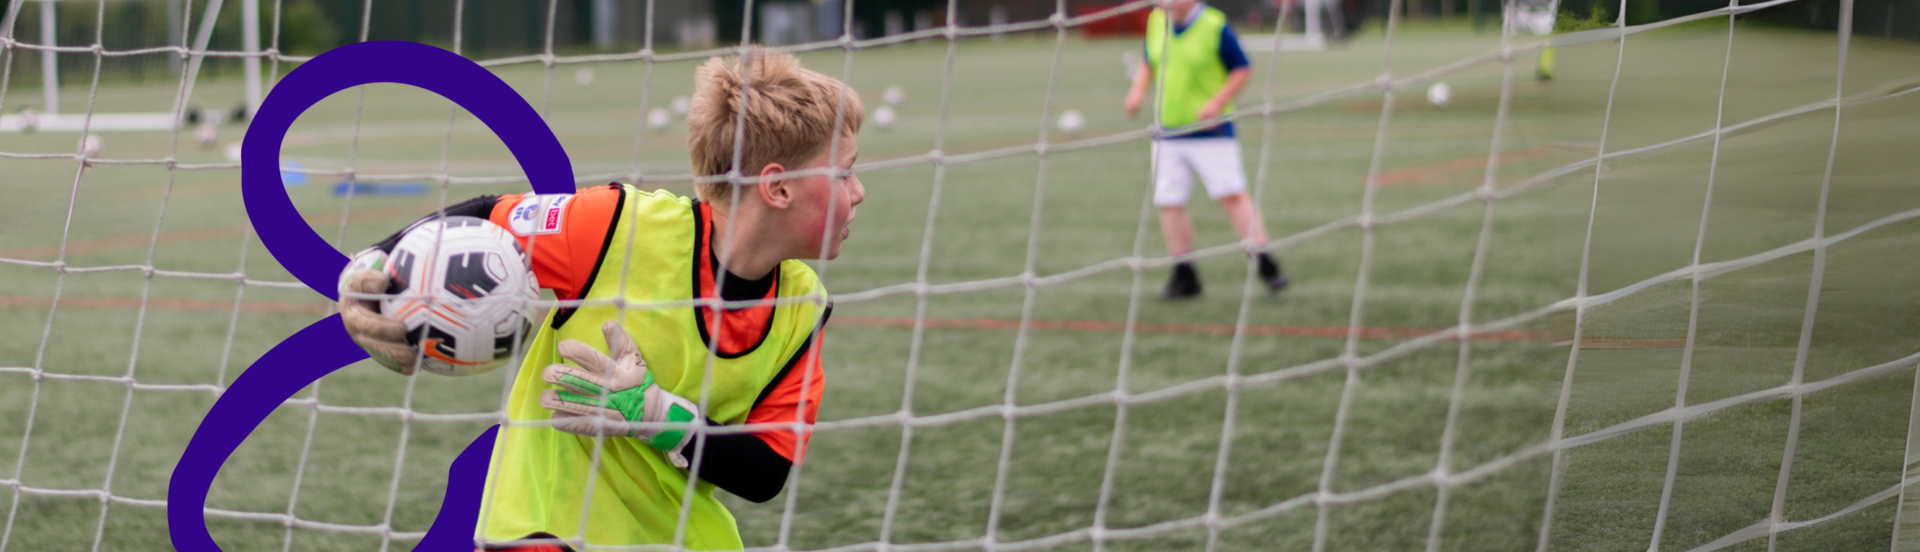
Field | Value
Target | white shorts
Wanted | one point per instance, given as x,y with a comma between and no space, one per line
1217,160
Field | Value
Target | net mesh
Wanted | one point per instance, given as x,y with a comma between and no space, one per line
1443,477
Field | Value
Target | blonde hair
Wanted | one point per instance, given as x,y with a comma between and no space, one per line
789,114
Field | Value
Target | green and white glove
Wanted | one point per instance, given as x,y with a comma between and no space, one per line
383,337
604,394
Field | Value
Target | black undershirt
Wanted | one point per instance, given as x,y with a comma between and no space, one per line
741,463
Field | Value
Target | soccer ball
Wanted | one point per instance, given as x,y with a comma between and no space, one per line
583,77
1439,94
1071,121
206,135
680,105
893,95
462,287
883,117
29,120
90,145
658,119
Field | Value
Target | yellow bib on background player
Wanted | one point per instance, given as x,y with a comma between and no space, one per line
1191,73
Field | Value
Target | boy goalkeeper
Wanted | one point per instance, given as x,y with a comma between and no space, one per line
614,241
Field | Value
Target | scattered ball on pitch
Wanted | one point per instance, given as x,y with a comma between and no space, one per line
658,119
680,105
29,120
883,117
893,95
206,135
464,293
90,145
1071,121
1439,94
583,76
233,152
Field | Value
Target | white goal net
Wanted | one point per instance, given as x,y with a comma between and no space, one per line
938,462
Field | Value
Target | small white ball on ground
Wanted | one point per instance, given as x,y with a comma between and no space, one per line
883,117
206,135
680,105
233,152
658,119
29,120
893,95
583,76
1071,121
90,145
1439,94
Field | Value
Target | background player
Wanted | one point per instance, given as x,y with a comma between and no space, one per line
647,365
1205,69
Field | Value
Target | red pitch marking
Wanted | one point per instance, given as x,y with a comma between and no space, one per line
1434,171
131,241
193,305
990,324
1100,326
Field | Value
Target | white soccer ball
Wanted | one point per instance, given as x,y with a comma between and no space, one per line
206,135
1439,94
462,287
583,76
29,120
883,117
1071,121
233,152
90,145
680,105
658,119
893,95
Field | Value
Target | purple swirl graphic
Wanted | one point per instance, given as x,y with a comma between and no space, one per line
324,346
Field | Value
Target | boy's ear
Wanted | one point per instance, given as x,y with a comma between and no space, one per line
776,192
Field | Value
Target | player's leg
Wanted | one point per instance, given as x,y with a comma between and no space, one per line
1218,162
1172,183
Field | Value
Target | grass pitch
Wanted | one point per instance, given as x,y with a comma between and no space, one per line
1646,210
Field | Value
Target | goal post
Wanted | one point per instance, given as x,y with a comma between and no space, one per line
51,116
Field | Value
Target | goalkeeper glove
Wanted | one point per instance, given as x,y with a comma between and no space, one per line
383,337
609,393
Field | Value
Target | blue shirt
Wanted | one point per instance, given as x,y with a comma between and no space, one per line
1231,56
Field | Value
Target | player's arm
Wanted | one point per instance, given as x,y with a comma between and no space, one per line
755,466
1142,79
1238,71
614,395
